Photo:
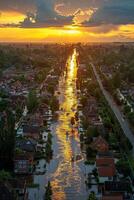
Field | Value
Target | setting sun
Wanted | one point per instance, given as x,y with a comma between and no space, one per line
40,34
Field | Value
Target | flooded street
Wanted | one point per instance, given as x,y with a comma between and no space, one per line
66,171
68,181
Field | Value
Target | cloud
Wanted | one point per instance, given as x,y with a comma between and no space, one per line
46,16
53,13
113,12
21,6
39,13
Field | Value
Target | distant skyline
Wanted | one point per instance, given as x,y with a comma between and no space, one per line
67,21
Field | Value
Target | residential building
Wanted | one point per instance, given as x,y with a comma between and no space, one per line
23,163
100,144
105,166
31,131
27,145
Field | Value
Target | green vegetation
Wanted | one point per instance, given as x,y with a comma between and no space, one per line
90,153
92,196
48,194
49,151
88,182
95,173
92,132
123,167
111,84
19,111
54,104
3,93
4,175
89,162
41,75
131,117
32,101
33,185
7,140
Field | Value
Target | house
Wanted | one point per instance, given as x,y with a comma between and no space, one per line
116,189
91,112
31,131
23,163
28,145
100,144
36,120
105,166
19,131
117,186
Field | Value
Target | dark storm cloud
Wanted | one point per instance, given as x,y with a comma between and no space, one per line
46,15
42,13
114,12
39,13
22,6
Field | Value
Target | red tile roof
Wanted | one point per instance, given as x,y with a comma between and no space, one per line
105,166
104,161
107,171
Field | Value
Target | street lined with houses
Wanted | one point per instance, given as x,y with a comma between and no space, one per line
123,122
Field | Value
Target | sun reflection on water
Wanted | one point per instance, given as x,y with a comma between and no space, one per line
65,176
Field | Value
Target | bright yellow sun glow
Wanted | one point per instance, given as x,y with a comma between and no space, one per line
68,106
39,34
11,17
66,34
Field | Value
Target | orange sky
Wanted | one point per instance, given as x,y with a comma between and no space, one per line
62,34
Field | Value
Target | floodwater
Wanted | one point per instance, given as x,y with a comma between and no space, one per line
67,177
68,181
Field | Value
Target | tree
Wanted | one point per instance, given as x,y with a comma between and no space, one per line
92,196
7,140
116,80
127,109
54,103
123,167
19,111
92,132
4,175
48,194
131,117
32,101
